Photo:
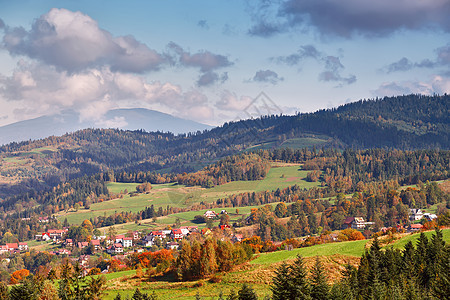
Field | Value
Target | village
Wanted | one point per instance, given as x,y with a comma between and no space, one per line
137,242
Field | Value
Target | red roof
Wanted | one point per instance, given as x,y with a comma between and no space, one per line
95,242
120,236
418,226
12,245
176,231
118,245
128,239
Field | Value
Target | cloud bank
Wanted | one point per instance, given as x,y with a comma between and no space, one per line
346,18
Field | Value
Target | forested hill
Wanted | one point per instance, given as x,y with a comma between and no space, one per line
404,122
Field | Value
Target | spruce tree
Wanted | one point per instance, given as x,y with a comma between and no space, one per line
319,286
247,293
300,285
282,283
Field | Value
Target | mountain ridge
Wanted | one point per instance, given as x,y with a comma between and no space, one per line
68,122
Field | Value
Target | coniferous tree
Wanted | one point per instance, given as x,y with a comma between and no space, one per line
247,293
282,284
319,286
300,284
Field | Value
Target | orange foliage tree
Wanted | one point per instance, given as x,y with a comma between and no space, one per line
18,276
350,234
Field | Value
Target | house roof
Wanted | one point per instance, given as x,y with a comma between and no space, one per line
12,245
349,220
95,242
418,226
177,231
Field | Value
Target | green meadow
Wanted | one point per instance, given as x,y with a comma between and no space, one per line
176,195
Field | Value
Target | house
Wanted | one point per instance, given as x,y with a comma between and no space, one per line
68,243
348,222
148,240
223,211
223,227
358,223
43,220
209,214
117,248
237,238
63,251
3,249
56,234
185,231
172,246
82,245
415,214
42,237
136,235
83,260
166,232
415,227
429,217
119,238
127,242
355,223
190,228
159,234
176,234
96,244
12,246
23,246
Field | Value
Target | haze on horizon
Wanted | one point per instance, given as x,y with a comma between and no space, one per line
206,61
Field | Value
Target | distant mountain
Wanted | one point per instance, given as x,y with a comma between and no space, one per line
66,122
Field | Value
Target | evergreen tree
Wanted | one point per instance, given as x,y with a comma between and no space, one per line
300,285
282,283
247,293
319,285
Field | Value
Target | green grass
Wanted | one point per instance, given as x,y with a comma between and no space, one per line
353,248
300,143
400,244
181,196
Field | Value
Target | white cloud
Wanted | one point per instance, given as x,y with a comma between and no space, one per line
436,85
73,41
42,89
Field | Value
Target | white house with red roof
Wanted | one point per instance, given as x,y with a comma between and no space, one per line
127,242
176,234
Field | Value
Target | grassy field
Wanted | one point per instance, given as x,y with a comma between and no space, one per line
161,195
297,143
400,244
353,248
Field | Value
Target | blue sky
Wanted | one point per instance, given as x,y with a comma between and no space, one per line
208,60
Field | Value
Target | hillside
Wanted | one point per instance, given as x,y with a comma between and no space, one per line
404,122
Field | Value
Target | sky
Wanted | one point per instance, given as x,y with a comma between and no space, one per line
216,61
